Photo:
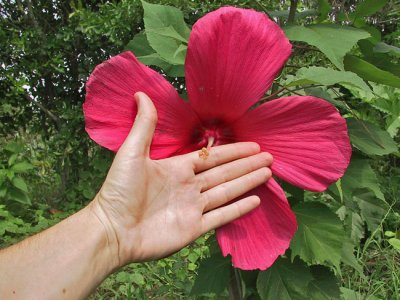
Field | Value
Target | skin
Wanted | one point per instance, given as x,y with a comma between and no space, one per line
146,209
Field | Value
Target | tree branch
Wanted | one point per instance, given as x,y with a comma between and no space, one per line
52,116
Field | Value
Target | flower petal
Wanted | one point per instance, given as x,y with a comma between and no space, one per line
257,239
110,108
306,136
232,58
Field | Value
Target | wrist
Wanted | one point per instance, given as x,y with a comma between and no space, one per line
109,248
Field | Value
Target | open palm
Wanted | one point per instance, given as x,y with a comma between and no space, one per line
152,208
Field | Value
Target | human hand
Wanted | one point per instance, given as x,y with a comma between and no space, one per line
152,208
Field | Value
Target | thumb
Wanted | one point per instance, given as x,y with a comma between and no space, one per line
141,134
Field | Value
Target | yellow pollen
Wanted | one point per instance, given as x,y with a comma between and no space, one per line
204,152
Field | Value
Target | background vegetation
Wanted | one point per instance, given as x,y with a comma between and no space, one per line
344,51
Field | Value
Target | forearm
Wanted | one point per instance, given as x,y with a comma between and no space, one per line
66,261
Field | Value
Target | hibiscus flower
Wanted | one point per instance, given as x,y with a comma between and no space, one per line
232,59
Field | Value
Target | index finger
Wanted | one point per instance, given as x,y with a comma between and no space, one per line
219,155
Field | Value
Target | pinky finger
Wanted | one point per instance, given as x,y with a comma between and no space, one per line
225,214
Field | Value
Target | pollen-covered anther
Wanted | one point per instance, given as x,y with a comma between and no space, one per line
204,152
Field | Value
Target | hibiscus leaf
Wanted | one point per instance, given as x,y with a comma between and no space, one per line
284,280
348,256
213,275
355,226
369,71
327,76
372,208
140,46
166,31
319,238
369,138
325,284
358,175
333,40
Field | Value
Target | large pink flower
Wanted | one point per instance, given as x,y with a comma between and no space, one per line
233,56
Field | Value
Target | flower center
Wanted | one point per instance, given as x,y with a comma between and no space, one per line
212,133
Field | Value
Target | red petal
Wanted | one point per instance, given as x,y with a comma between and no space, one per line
257,239
110,108
232,58
306,136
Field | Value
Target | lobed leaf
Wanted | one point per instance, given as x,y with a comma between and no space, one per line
319,238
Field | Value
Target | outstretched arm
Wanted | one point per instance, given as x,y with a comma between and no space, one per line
145,210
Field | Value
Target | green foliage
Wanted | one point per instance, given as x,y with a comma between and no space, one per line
319,238
327,76
166,32
370,72
369,138
333,40
284,280
213,275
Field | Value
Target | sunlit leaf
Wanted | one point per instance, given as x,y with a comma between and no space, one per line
166,30
333,40
327,76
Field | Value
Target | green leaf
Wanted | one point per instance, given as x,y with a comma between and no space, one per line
22,167
395,243
324,286
19,183
14,147
370,72
372,208
18,196
324,8
358,175
333,40
319,238
385,48
348,256
137,278
148,56
327,76
166,31
348,294
284,280
355,226
11,159
213,275
370,139
367,8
